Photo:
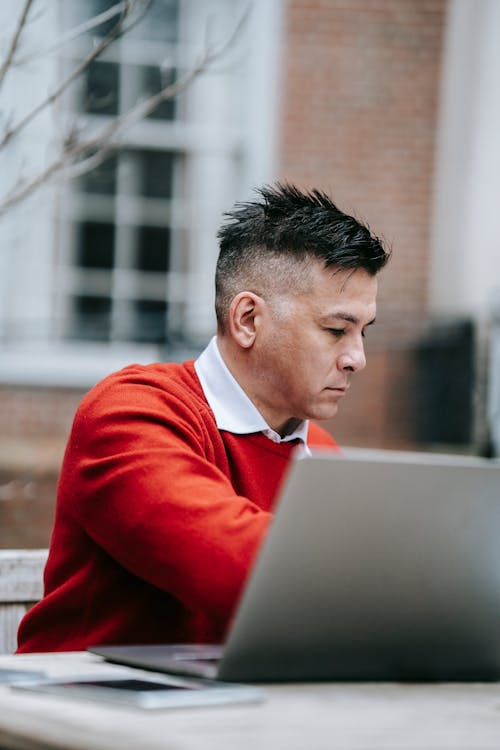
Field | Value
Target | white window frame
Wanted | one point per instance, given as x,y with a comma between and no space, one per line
212,187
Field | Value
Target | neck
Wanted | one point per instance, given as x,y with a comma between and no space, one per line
239,363
288,427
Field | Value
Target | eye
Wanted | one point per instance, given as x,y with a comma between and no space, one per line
337,332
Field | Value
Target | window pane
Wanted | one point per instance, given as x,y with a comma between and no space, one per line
102,179
153,248
156,172
95,245
94,8
100,92
92,318
154,80
150,321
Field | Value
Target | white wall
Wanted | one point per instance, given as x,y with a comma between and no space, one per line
239,98
465,252
27,232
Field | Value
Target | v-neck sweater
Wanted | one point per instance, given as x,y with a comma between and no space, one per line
159,516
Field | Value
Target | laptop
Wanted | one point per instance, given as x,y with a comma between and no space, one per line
379,565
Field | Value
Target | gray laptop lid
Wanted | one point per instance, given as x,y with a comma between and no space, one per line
378,565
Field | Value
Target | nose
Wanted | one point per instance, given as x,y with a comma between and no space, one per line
353,359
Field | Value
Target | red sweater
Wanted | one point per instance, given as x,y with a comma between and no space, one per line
159,516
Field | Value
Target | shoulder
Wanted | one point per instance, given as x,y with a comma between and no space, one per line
142,389
319,437
165,377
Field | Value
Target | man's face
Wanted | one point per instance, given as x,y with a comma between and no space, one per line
310,344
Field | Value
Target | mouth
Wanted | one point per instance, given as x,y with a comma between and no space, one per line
341,390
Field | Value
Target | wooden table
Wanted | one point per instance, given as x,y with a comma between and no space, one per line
292,717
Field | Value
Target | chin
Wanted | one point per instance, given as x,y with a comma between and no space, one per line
325,412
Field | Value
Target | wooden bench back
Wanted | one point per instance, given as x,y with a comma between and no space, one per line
21,585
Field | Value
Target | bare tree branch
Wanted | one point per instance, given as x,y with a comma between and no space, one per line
88,154
149,105
74,33
15,40
80,156
129,6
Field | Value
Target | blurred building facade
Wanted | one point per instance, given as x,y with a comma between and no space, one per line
391,106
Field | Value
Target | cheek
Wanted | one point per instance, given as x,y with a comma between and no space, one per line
322,358
310,369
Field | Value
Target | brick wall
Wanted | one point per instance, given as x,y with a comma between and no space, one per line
37,412
33,431
359,114
359,108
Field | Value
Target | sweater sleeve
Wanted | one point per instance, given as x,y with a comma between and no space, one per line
140,478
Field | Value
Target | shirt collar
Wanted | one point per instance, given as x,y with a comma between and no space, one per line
232,408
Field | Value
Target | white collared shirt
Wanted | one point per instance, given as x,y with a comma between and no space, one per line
232,408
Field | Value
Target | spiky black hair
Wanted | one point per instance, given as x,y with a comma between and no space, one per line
295,224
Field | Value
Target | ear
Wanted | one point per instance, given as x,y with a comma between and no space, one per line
245,314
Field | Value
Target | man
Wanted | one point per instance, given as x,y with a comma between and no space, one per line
171,470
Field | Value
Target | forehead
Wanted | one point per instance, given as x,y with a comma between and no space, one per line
337,287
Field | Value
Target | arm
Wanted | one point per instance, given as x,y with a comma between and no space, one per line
142,476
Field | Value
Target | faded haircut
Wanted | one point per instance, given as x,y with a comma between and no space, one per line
272,240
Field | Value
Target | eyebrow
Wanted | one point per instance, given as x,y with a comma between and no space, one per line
347,317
